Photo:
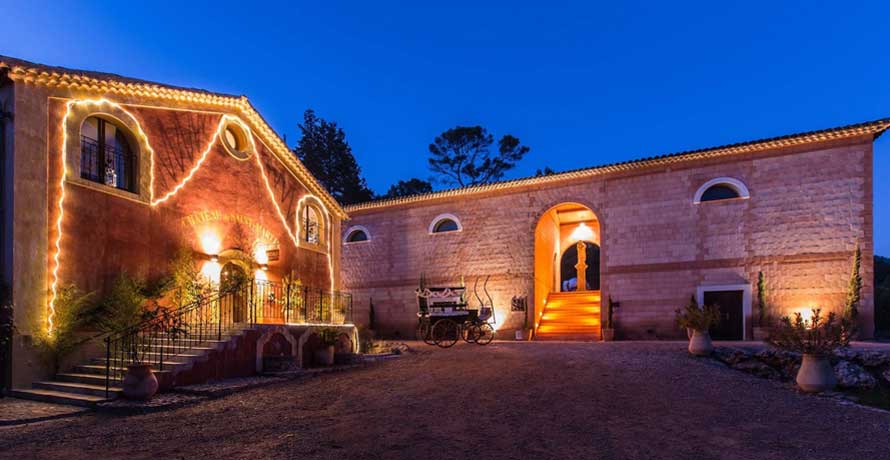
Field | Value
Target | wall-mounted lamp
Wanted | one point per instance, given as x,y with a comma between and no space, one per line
265,267
214,258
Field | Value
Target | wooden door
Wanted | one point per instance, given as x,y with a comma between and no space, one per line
731,314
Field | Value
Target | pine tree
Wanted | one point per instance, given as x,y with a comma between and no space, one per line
854,290
324,151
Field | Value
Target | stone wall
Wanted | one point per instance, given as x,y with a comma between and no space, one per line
809,207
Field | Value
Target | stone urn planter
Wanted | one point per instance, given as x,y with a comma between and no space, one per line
816,374
608,334
140,383
324,356
700,343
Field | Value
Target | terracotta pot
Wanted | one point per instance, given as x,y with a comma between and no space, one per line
815,374
140,382
700,343
608,334
324,356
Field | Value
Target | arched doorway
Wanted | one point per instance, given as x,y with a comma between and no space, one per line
569,273
566,307
231,277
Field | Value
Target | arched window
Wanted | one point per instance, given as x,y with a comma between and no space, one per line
106,156
445,223
721,188
357,234
312,225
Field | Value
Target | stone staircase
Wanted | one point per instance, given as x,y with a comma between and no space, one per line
84,384
571,316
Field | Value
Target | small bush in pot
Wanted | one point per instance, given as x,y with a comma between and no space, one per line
699,320
324,355
816,339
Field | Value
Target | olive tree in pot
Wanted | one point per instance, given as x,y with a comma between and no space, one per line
816,339
699,320
324,355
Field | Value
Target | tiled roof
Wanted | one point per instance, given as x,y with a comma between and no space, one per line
107,83
874,128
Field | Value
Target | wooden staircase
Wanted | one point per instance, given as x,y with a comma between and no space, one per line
84,384
571,316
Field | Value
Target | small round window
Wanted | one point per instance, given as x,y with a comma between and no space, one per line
445,223
236,142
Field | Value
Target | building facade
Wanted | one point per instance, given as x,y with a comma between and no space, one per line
106,175
658,231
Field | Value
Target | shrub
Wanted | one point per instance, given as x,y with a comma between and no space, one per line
854,290
187,284
124,306
328,335
74,311
698,318
819,336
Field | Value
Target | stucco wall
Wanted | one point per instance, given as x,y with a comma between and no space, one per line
809,206
106,232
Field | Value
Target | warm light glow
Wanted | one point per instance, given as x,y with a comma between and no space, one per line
260,254
582,233
210,242
211,270
260,275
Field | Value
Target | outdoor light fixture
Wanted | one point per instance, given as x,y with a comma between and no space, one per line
214,258
265,267
582,233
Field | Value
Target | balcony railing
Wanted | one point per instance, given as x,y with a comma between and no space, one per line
110,166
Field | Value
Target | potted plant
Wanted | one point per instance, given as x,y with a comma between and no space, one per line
762,328
609,326
816,339
521,303
324,355
699,320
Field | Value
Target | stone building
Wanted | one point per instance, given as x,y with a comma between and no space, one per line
104,175
656,231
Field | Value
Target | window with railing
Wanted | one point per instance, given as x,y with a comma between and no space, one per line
312,225
106,156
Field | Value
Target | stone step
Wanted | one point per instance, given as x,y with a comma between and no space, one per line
77,388
568,337
99,369
75,377
57,397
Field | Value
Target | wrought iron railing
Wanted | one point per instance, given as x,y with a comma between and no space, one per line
110,166
168,334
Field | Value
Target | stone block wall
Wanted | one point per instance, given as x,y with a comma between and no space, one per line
809,206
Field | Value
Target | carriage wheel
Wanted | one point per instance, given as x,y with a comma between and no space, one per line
484,334
423,331
468,332
445,333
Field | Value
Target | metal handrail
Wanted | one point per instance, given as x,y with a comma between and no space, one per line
171,332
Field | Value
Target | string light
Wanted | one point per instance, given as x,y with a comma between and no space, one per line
224,121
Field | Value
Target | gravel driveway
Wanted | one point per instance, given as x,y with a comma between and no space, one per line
508,400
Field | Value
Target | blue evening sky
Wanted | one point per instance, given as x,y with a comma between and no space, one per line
581,83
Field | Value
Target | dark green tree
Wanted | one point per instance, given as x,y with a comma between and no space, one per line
463,156
544,172
413,186
324,151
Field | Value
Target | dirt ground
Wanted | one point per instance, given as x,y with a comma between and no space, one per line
507,400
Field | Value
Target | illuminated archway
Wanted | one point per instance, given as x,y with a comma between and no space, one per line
558,229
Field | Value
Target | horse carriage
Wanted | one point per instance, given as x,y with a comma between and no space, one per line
444,316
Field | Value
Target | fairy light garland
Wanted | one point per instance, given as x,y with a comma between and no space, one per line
224,121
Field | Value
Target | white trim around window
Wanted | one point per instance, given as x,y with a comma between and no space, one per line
440,218
353,229
730,182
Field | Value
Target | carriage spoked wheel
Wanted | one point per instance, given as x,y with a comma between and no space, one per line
445,333
423,331
468,332
484,333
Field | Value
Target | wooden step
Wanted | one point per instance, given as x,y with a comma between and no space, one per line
57,397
